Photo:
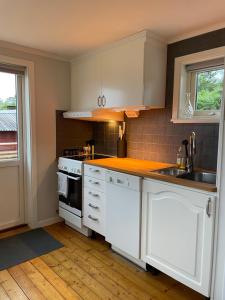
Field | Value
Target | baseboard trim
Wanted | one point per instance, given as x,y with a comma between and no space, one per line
50,221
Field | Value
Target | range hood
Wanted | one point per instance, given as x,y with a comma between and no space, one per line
97,115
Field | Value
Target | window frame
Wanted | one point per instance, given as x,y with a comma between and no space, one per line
180,86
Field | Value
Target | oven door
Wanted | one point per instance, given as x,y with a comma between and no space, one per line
74,196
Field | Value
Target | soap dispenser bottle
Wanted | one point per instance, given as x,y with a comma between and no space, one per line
181,158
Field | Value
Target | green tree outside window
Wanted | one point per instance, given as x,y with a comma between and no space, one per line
209,89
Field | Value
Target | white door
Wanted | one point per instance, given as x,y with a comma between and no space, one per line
85,83
12,210
178,233
122,74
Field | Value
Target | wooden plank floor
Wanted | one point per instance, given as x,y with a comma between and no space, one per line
85,269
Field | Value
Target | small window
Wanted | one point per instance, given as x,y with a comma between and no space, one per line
205,87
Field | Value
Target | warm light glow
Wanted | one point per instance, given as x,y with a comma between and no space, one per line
112,123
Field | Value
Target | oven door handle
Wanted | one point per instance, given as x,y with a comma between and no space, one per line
74,178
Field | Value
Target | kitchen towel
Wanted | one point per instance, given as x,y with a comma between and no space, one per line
62,184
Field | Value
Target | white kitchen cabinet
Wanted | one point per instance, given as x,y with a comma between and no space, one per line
94,198
177,232
129,74
122,70
85,83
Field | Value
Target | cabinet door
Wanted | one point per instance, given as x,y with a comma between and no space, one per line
85,83
177,233
122,74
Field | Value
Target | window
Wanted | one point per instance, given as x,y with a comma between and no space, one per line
198,87
209,89
205,86
8,116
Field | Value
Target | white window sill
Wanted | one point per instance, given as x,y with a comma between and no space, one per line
195,120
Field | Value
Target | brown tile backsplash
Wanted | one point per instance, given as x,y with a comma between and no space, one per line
71,133
105,136
153,137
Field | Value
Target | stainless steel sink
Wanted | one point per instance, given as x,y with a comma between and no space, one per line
170,171
205,177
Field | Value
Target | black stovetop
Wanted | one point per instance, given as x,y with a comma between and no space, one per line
87,157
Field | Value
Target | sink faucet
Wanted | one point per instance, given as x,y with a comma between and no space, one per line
192,152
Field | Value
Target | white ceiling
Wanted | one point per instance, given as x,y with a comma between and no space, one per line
69,27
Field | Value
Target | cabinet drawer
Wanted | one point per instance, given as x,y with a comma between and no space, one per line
95,172
68,216
94,183
94,195
94,220
93,207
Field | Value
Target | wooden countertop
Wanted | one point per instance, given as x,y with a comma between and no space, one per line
143,168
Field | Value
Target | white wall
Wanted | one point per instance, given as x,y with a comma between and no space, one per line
52,91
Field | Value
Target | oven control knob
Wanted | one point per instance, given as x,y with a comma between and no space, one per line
78,171
65,168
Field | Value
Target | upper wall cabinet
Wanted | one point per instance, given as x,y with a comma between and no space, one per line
127,75
198,87
85,83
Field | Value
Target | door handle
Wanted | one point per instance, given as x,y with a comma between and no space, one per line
93,206
209,207
74,178
92,218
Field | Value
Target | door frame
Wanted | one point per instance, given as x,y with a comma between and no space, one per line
29,139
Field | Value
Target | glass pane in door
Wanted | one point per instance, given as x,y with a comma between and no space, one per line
8,117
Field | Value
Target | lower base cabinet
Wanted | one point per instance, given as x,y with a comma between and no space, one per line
177,232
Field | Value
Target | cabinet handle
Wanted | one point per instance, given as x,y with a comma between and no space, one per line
94,195
94,170
103,101
99,101
209,207
92,218
93,182
93,206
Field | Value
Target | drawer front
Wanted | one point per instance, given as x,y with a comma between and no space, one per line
94,220
68,216
95,208
94,196
95,172
94,184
